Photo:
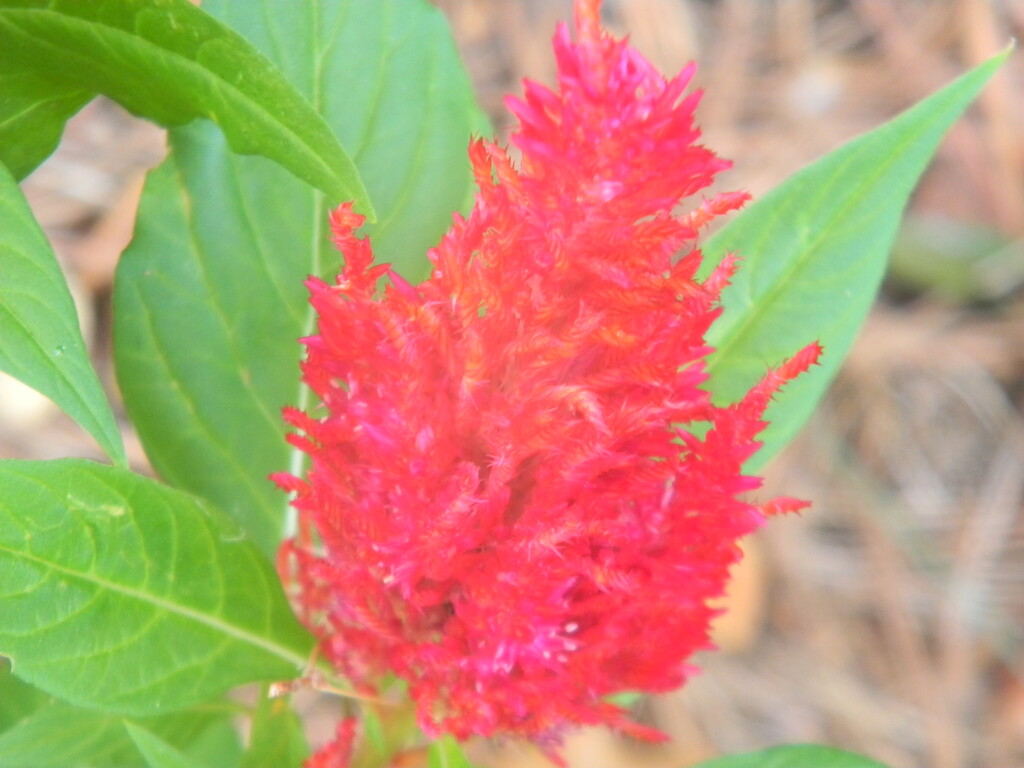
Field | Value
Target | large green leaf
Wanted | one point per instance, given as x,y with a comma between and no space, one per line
813,253
171,62
209,298
40,341
120,594
794,756
58,735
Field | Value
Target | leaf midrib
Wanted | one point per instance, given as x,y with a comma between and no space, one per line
769,297
203,619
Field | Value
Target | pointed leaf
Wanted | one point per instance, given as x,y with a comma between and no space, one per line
171,62
813,253
794,756
58,735
216,747
40,340
197,609
446,753
209,297
157,752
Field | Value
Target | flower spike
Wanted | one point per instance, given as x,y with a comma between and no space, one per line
516,471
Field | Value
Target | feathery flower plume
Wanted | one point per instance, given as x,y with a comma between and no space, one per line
520,498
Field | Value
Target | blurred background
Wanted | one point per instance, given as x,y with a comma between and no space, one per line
888,618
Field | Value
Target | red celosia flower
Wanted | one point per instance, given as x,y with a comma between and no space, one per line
522,496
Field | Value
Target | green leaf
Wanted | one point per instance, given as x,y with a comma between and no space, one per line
40,340
794,756
209,298
202,366
197,610
216,747
813,253
58,735
446,753
33,111
171,62
157,752
277,738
